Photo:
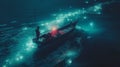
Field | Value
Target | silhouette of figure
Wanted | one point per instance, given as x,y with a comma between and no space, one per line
37,33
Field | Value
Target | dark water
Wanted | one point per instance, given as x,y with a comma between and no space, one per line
18,20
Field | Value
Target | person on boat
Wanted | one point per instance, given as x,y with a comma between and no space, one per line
37,32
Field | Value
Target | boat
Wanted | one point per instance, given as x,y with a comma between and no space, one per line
53,40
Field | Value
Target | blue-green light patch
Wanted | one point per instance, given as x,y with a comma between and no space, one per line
91,24
69,61
4,66
86,2
71,53
84,17
26,47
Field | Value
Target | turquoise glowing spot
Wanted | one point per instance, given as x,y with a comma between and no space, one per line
91,24
97,7
42,24
47,23
21,57
99,13
7,60
78,27
25,28
69,14
89,37
58,21
30,45
17,59
86,2
69,19
69,61
42,31
84,17
29,48
71,54
4,66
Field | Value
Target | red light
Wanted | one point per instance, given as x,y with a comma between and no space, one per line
54,31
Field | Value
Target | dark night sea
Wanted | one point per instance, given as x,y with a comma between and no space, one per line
100,19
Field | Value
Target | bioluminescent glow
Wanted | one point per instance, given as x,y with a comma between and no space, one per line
25,44
84,17
28,47
69,61
25,28
86,2
91,24
71,53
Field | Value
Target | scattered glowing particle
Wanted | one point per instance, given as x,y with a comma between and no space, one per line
30,45
69,61
97,7
42,31
78,27
69,14
27,49
21,57
58,21
91,24
42,24
71,54
89,37
17,59
99,13
33,46
7,60
84,17
69,19
47,23
4,66
86,2
25,28
61,15
83,8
